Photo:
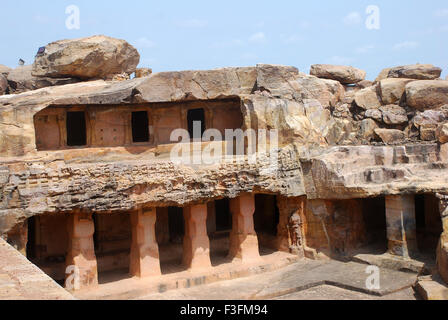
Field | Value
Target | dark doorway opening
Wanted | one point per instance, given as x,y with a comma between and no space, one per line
374,216
220,239
171,252
428,224
140,127
223,215
112,241
196,115
266,219
31,244
76,129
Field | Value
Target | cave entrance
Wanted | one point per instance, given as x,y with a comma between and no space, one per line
112,241
219,225
266,219
47,244
170,230
76,129
428,224
374,216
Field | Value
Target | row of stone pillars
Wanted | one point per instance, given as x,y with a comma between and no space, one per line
144,256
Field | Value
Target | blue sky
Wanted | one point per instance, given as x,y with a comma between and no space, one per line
198,34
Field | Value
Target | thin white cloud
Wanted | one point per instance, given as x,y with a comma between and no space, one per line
406,45
353,18
441,13
192,23
258,37
144,42
365,49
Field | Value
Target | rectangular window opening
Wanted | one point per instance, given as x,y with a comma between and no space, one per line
76,129
140,127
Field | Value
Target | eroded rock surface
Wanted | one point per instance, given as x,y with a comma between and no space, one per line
343,74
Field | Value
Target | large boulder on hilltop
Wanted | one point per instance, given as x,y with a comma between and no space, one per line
392,90
21,80
416,71
343,74
97,57
427,94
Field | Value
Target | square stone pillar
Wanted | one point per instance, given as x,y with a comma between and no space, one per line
196,253
243,238
442,249
81,260
401,225
144,257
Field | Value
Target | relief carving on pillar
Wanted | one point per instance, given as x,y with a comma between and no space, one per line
289,230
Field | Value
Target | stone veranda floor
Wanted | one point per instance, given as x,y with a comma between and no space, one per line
304,280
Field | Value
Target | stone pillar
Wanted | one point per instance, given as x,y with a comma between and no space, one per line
442,249
401,225
144,257
196,253
81,259
243,239
289,229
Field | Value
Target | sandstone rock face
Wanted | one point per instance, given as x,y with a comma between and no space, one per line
431,117
383,74
327,92
427,94
417,71
442,133
393,114
390,136
375,114
143,72
368,127
4,70
343,74
392,90
367,98
3,84
21,80
351,172
364,84
97,57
